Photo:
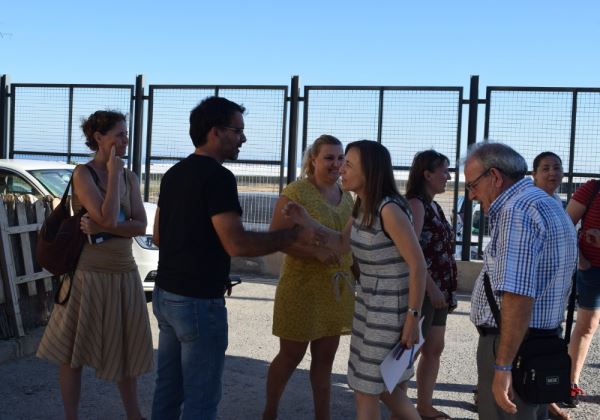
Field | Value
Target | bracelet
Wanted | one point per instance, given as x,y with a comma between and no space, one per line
503,368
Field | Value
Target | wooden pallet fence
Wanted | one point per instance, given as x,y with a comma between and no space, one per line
27,288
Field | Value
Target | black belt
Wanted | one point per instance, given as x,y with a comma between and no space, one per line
532,332
537,332
483,331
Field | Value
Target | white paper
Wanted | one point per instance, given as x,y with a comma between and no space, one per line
392,369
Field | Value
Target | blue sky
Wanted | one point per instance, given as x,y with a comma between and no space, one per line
526,43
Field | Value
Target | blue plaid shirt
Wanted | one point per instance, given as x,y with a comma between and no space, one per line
532,252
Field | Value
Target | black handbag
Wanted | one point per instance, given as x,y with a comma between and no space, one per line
60,240
542,367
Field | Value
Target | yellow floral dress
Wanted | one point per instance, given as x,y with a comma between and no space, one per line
314,300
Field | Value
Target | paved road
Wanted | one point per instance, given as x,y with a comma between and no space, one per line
29,387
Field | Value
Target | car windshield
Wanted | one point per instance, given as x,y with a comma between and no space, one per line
54,180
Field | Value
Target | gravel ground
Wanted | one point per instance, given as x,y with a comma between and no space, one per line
29,387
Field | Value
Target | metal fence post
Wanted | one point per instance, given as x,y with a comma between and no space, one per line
572,146
380,116
138,116
471,139
293,129
4,92
70,127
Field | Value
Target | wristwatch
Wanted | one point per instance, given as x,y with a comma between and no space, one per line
414,312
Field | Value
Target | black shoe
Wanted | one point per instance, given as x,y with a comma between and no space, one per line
573,399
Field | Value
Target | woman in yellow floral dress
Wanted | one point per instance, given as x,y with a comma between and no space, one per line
314,302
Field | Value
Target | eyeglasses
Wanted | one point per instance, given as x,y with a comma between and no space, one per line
470,186
236,130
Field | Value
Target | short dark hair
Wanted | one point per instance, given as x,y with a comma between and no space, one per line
427,160
213,111
102,122
543,155
376,164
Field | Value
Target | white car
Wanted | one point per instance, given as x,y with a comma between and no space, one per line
42,178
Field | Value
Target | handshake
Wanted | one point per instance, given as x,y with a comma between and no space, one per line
330,243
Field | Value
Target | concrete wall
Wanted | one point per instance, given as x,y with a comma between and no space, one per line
270,265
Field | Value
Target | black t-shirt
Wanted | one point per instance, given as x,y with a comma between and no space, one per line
192,260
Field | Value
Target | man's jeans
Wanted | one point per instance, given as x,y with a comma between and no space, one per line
191,354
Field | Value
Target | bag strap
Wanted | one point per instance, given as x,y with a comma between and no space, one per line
489,294
571,307
63,200
93,173
496,312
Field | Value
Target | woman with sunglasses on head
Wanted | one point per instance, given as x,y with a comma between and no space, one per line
392,276
428,177
104,323
315,295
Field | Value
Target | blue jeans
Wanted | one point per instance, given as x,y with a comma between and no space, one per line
191,353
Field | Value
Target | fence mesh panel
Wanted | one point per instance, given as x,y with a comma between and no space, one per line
412,120
348,115
532,122
171,120
41,118
259,179
587,133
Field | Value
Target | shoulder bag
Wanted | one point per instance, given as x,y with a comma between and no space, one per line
60,240
542,367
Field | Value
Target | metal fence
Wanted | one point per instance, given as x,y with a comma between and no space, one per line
260,166
43,124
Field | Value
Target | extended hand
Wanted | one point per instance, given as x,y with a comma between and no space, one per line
296,213
592,237
503,391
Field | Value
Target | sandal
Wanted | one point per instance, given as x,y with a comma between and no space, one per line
439,416
573,400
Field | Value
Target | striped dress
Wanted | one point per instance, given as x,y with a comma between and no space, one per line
381,303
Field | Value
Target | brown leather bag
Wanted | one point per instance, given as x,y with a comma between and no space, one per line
60,240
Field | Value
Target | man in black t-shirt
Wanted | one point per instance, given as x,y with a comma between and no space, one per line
198,228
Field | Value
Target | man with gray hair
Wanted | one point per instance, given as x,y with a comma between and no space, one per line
529,260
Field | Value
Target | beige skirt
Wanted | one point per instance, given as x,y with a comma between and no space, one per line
103,325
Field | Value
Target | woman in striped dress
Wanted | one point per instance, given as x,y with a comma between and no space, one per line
392,275
104,323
